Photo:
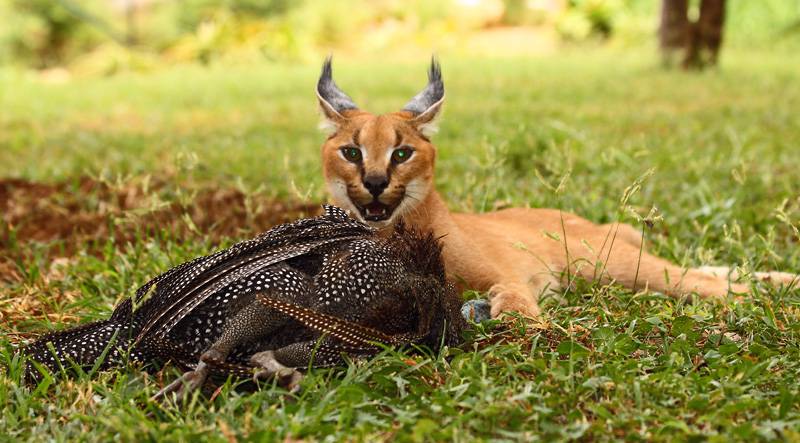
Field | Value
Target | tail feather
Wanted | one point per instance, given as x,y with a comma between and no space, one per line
82,346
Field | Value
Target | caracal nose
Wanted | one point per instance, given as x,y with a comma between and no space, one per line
375,184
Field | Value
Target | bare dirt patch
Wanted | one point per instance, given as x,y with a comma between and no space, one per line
85,214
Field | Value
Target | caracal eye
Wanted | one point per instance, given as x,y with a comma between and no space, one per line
351,153
400,155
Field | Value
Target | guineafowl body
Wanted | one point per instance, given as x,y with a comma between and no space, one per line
300,294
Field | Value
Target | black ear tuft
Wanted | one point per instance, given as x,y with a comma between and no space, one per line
433,93
329,93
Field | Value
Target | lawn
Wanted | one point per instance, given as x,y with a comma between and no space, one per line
108,181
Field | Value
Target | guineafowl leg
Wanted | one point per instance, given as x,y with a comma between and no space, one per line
186,383
271,368
281,364
251,323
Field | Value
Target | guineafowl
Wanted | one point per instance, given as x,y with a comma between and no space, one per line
301,294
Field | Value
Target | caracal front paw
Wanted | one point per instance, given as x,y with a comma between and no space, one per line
508,298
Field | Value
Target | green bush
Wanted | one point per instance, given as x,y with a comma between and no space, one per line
44,33
192,13
589,18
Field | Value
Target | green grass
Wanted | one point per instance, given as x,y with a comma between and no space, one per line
604,363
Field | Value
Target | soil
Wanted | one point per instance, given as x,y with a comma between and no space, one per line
63,218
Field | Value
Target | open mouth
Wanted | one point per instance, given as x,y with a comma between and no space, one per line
375,211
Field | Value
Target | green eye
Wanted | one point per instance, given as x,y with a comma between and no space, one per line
401,154
352,154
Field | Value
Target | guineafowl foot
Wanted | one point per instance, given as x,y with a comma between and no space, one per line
185,384
272,369
477,310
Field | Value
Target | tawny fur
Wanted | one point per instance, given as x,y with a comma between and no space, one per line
516,255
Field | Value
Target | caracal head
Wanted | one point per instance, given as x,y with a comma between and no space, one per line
379,167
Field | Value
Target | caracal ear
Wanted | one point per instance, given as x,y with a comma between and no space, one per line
426,106
332,100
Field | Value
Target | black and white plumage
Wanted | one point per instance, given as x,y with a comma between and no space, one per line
300,294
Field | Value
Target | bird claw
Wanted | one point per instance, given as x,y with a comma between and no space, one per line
476,311
272,369
185,384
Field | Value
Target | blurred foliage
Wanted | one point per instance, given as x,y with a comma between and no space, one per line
585,18
195,12
44,33
105,36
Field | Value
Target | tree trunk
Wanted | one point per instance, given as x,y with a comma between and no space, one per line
673,32
701,40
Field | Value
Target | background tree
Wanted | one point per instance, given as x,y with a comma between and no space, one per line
698,41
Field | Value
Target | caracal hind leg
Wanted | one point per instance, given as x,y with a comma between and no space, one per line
771,277
635,269
661,275
623,231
